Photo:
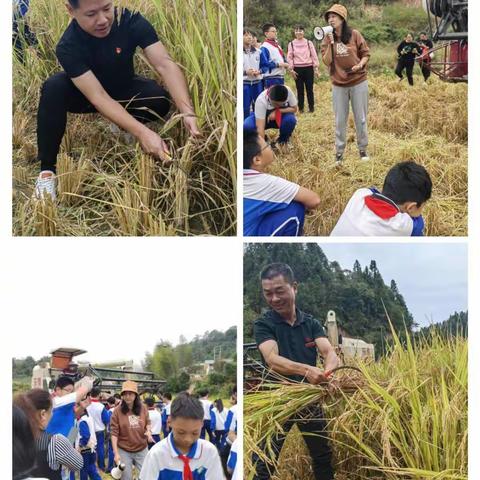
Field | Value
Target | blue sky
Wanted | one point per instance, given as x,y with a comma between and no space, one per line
432,277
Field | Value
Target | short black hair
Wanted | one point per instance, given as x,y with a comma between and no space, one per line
251,32
251,148
186,406
74,3
276,269
95,392
111,400
117,396
63,381
203,393
408,182
167,395
23,444
299,27
149,402
278,93
267,27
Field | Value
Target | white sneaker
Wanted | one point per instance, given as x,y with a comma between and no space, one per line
364,156
46,184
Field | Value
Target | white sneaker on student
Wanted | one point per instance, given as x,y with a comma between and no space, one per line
46,184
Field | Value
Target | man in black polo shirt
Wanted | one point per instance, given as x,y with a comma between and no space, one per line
96,52
289,341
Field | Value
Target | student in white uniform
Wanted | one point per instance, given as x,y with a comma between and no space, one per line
396,211
183,454
155,421
217,424
86,442
101,419
207,408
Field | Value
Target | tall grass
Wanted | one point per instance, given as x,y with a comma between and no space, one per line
108,188
407,420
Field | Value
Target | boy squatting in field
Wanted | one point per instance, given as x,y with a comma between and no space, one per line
396,211
289,341
272,206
274,108
96,52
183,454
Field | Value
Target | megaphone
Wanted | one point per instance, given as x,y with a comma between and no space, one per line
117,471
321,32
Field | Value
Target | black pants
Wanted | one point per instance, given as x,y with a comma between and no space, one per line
425,70
406,64
59,96
304,81
317,445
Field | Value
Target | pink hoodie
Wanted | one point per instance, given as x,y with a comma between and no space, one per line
302,53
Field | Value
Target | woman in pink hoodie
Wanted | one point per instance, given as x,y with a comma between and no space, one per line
303,63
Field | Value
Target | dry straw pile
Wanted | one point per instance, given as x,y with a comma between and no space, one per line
424,123
407,419
107,187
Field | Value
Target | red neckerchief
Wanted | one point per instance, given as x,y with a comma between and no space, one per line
94,400
275,44
278,113
187,472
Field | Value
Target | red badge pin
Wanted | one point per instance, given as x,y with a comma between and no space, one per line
118,50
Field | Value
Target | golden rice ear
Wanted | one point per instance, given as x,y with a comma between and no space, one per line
366,424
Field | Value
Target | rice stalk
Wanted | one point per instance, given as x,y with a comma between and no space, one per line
408,419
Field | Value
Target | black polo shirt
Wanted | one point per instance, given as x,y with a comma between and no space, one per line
109,58
295,342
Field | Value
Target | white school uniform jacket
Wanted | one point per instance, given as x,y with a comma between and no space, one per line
63,417
232,461
251,59
92,442
155,421
231,421
207,406
369,213
99,415
162,462
275,56
218,419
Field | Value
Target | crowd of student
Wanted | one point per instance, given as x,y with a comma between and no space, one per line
274,206
76,433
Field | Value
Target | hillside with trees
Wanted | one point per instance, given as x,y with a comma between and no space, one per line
380,21
359,297
183,364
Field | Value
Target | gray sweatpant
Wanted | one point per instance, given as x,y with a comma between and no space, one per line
342,96
130,459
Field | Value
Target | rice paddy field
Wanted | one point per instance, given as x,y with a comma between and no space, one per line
403,417
109,187
426,123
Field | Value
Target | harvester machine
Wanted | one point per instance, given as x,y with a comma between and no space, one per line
448,23
109,379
